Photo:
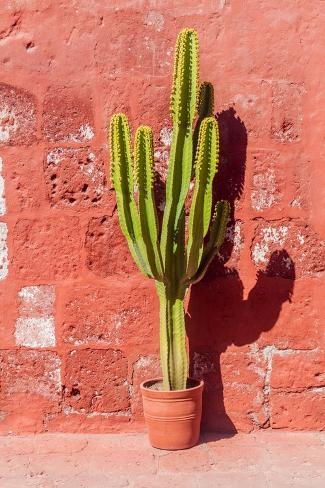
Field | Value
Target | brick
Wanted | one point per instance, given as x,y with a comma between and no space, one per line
293,315
24,180
300,190
268,180
136,53
154,107
144,368
298,370
17,116
297,411
46,248
68,116
287,99
151,102
233,391
235,368
248,103
121,314
75,178
30,373
4,264
95,381
106,248
287,248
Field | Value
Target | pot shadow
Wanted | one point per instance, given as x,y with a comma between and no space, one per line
217,301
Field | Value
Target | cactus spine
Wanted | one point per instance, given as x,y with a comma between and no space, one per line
166,255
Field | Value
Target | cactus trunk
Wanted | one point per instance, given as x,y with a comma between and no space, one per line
173,353
166,255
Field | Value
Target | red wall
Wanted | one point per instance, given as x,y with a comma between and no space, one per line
78,323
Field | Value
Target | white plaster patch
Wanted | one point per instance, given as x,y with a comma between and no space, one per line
123,316
84,133
4,263
8,123
275,235
55,156
94,172
263,195
296,202
35,327
270,235
37,300
233,234
35,332
259,253
145,367
2,190
144,362
54,375
300,238
166,136
288,262
155,19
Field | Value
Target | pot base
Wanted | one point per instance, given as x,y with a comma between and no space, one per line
172,417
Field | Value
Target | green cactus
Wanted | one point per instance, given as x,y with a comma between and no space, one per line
173,258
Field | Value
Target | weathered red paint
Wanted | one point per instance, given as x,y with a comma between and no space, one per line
78,323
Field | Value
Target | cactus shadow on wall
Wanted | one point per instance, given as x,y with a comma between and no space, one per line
218,317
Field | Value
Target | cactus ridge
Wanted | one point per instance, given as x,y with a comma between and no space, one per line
162,251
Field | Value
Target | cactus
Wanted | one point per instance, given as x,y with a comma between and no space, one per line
174,258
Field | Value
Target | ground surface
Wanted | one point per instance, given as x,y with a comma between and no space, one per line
103,461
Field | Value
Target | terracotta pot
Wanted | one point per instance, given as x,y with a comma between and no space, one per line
172,417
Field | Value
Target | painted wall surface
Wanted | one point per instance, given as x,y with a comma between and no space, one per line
78,323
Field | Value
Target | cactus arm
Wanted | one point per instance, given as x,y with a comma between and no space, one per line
144,173
217,234
200,213
205,109
183,107
122,179
183,103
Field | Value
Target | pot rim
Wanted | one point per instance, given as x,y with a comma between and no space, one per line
156,380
